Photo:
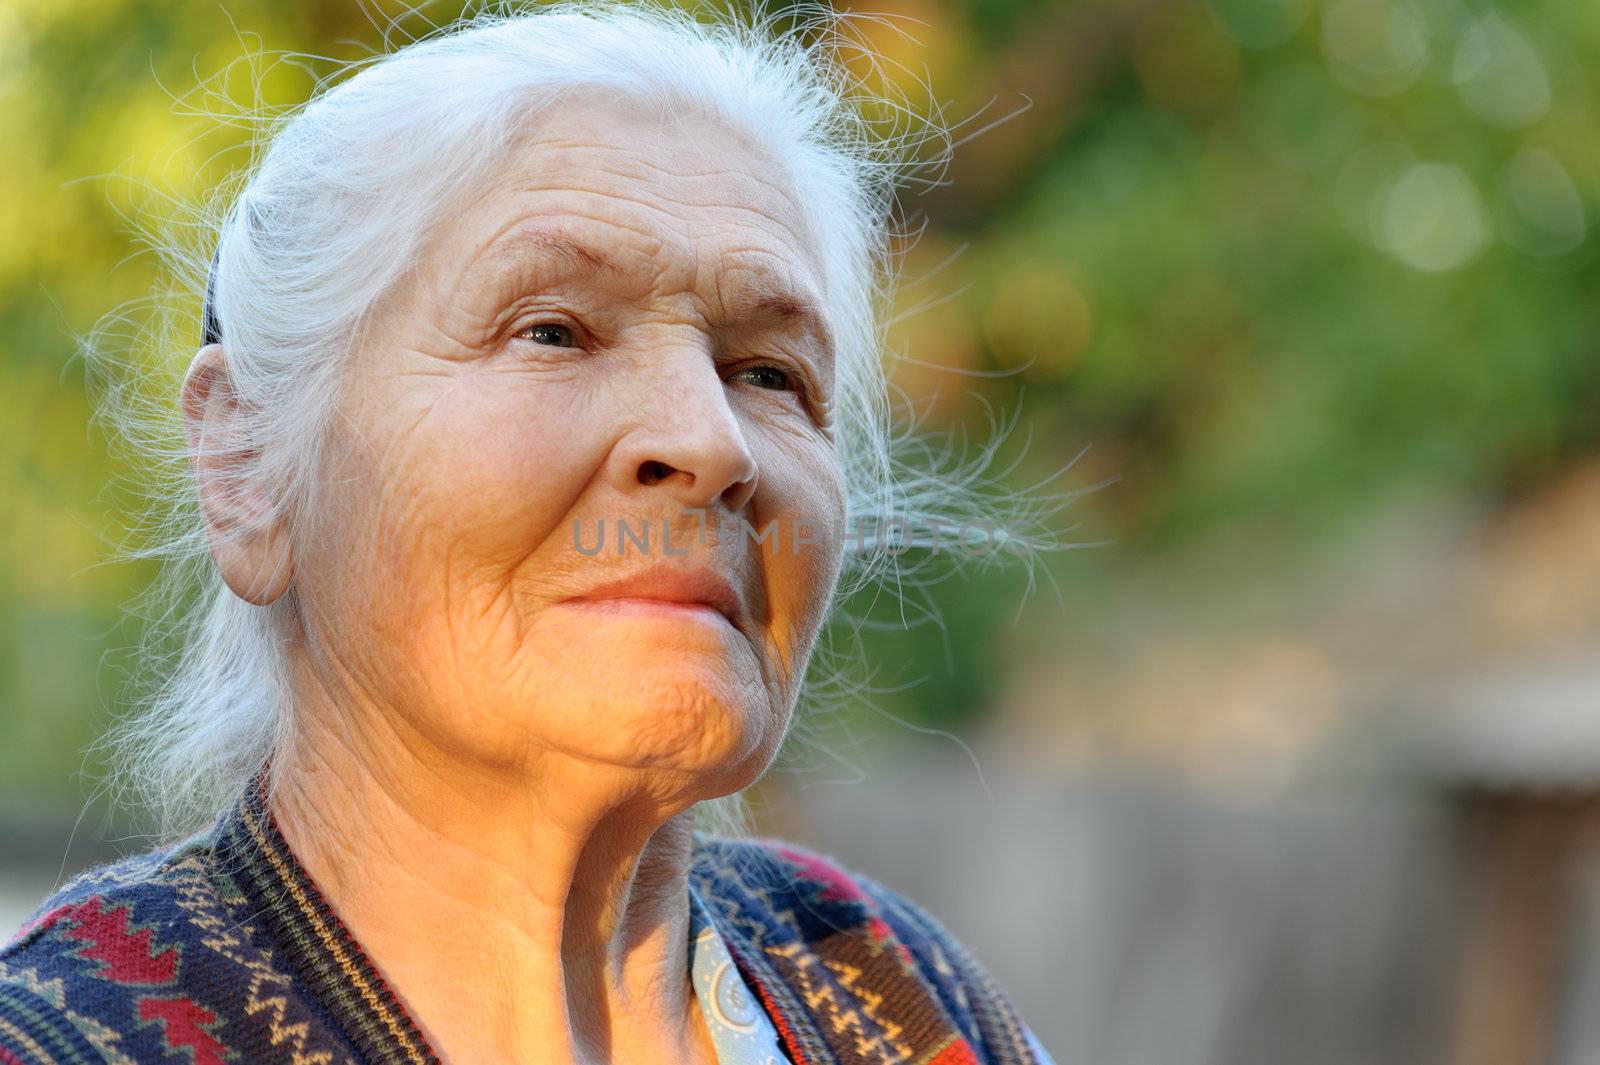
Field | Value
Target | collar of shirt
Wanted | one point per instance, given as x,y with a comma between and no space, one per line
741,1031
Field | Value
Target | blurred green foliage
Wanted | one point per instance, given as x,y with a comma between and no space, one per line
1269,260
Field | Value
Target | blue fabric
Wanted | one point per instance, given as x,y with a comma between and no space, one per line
741,1032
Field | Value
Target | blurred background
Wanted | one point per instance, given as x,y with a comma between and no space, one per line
1303,757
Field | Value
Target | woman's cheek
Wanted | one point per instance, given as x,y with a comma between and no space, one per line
802,573
502,465
820,506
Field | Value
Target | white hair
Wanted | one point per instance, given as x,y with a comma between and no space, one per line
341,193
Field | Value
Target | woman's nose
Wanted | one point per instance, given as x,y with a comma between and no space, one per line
691,441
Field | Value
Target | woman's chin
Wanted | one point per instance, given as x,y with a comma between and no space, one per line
629,701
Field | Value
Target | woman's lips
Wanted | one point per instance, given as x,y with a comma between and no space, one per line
641,606
668,591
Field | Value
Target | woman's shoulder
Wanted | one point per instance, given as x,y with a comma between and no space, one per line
98,933
93,900
784,874
121,963
827,902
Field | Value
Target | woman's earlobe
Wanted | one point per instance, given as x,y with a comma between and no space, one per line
249,542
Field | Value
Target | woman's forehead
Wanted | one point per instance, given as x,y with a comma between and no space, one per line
624,190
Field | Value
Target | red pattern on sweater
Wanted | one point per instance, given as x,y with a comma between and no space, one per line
957,1053
126,955
184,1023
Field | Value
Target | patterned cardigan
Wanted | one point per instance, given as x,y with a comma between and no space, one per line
221,949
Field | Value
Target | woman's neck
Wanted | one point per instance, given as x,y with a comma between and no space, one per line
537,916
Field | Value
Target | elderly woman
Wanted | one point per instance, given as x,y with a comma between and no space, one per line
540,378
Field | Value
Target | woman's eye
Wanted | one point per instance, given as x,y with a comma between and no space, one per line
767,377
556,336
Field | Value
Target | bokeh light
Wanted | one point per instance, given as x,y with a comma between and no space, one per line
1499,73
1431,218
1375,47
1547,203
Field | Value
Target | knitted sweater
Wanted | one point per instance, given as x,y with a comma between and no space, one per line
221,949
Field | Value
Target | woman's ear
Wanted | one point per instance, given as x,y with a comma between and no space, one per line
249,540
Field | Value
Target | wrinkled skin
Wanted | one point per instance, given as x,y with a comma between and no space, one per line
495,786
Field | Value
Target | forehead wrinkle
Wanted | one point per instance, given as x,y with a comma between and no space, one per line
770,202
772,183
636,166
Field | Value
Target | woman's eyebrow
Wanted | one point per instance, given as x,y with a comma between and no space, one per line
545,242
767,301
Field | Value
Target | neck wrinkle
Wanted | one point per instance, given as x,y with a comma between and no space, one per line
594,939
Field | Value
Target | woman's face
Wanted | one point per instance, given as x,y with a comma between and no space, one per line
621,337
